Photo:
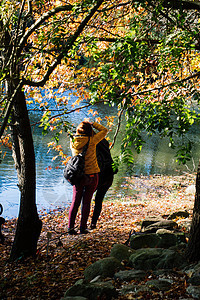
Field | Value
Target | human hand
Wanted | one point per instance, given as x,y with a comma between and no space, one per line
87,120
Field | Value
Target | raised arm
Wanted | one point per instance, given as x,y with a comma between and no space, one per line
101,134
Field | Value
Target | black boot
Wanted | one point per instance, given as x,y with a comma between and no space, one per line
84,230
72,231
93,226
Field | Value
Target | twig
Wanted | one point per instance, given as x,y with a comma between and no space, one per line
118,127
9,108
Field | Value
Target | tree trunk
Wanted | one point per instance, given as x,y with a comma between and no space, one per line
193,248
28,225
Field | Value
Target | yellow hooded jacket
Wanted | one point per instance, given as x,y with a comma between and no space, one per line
79,141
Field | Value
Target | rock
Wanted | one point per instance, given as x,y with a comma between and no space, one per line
121,252
191,190
133,289
92,291
168,274
184,223
193,269
169,239
129,275
182,214
197,269
151,220
166,224
179,248
187,298
144,241
161,239
105,267
159,284
163,230
194,291
96,279
194,280
156,258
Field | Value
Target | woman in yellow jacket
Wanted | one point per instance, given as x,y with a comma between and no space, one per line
85,190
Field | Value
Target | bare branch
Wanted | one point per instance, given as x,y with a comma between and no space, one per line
118,127
46,76
63,113
9,108
19,19
167,85
41,20
29,7
17,31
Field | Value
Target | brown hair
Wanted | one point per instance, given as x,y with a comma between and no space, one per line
85,128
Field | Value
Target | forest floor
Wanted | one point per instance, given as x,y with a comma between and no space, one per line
62,262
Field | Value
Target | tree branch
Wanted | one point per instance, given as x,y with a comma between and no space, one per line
69,44
177,4
118,127
114,6
112,40
19,20
41,20
167,85
17,32
9,108
29,8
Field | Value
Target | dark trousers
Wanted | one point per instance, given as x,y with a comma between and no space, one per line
105,182
82,193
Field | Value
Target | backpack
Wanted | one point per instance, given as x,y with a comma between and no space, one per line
75,168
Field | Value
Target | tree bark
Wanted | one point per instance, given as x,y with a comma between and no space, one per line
193,247
28,225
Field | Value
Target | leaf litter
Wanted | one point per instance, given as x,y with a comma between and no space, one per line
61,258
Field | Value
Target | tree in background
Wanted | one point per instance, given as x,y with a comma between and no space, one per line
35,37
43,46
141,57
149,67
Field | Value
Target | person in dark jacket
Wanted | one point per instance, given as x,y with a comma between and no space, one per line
106,177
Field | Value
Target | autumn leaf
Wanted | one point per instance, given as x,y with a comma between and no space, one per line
68,256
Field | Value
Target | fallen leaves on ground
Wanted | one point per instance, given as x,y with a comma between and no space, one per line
62,261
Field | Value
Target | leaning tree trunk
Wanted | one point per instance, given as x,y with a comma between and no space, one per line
193,248
28,225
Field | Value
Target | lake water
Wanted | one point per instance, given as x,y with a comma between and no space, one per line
53,191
